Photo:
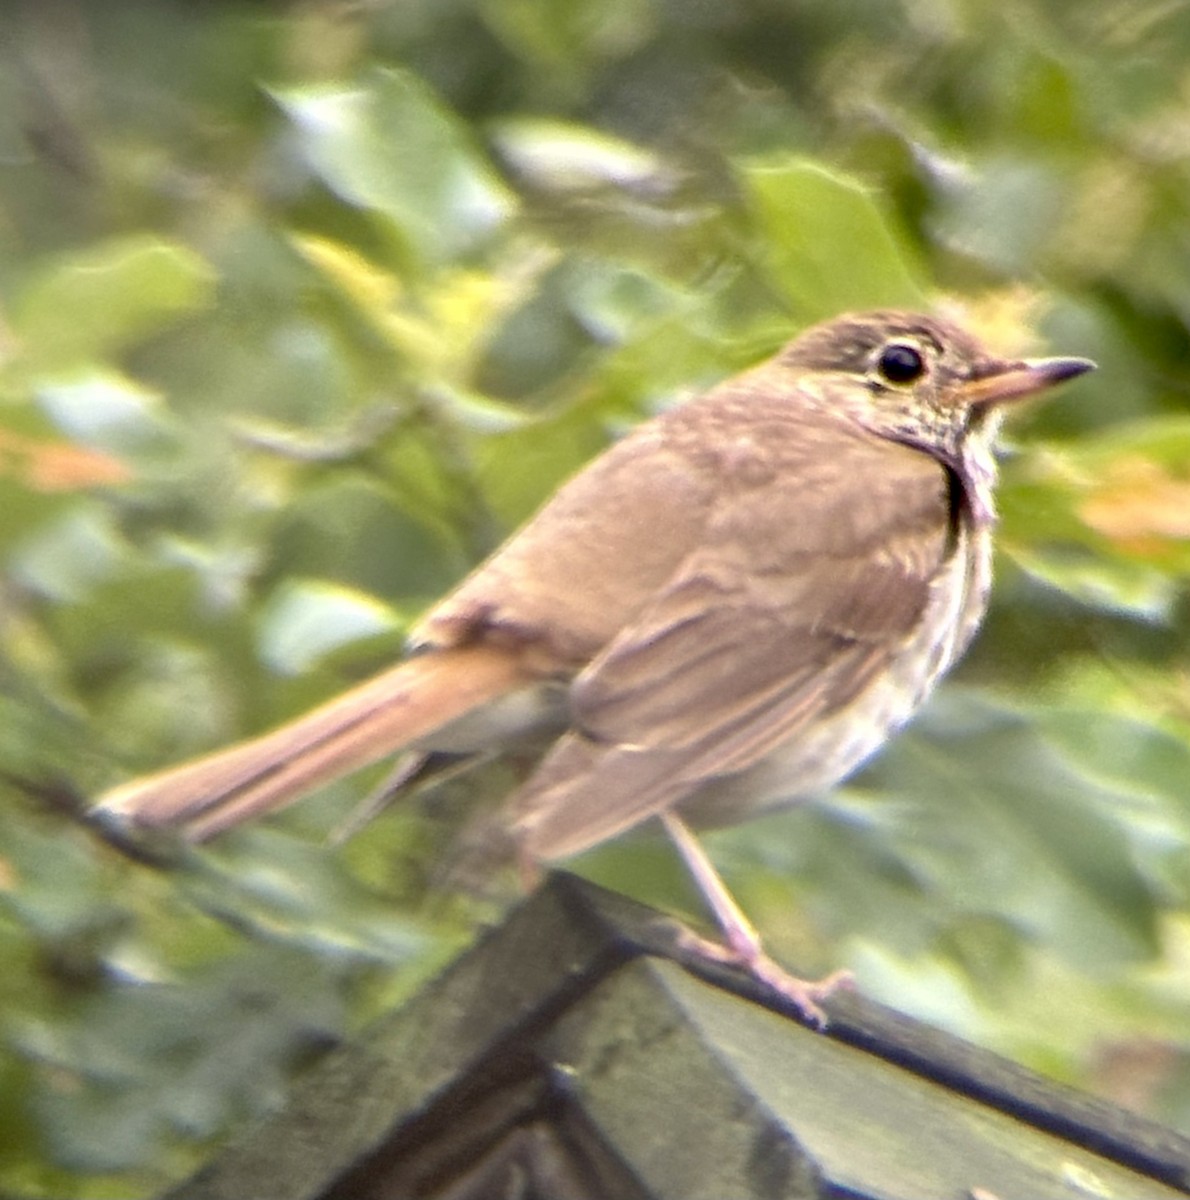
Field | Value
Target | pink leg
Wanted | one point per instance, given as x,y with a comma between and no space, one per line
743,948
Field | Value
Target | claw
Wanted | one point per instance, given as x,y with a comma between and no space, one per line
806,995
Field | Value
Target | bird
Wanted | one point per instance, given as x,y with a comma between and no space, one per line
728,611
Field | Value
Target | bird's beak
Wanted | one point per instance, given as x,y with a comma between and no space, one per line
1015,380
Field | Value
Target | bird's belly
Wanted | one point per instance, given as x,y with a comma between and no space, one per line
828,749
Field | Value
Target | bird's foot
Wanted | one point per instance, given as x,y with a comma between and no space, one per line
741,945
806,995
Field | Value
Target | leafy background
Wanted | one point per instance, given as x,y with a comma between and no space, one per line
306,304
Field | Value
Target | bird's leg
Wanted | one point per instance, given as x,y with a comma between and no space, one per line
742,946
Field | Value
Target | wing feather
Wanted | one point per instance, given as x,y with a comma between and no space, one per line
767,626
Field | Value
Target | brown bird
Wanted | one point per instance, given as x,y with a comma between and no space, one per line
728,611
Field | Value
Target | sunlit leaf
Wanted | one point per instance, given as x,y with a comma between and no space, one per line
373,290
390,146
310,618
564,157
826,243
1120,586
1004,211
96,301
102,408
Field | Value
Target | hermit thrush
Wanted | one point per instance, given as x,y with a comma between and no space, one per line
729,610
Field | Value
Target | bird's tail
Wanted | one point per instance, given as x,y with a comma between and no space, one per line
372,721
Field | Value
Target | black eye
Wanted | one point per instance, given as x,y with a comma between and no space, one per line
901,363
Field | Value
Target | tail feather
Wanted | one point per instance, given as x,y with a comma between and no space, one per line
372,721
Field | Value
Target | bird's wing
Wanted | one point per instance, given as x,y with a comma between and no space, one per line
795,600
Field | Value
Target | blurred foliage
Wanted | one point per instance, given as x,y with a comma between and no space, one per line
305,305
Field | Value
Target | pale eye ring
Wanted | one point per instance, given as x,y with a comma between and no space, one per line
901,363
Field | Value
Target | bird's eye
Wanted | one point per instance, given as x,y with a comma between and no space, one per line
900,363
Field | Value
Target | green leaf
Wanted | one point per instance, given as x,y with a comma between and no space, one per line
559,156
826,242
72,555
97,301
1142,771
1006,211
1164,439
352,529
310,618
102,408
390,146
1101,581
1106,519
564,38
547,451
146,1060
1048,841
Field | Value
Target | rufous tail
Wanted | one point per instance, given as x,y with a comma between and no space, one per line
368,723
